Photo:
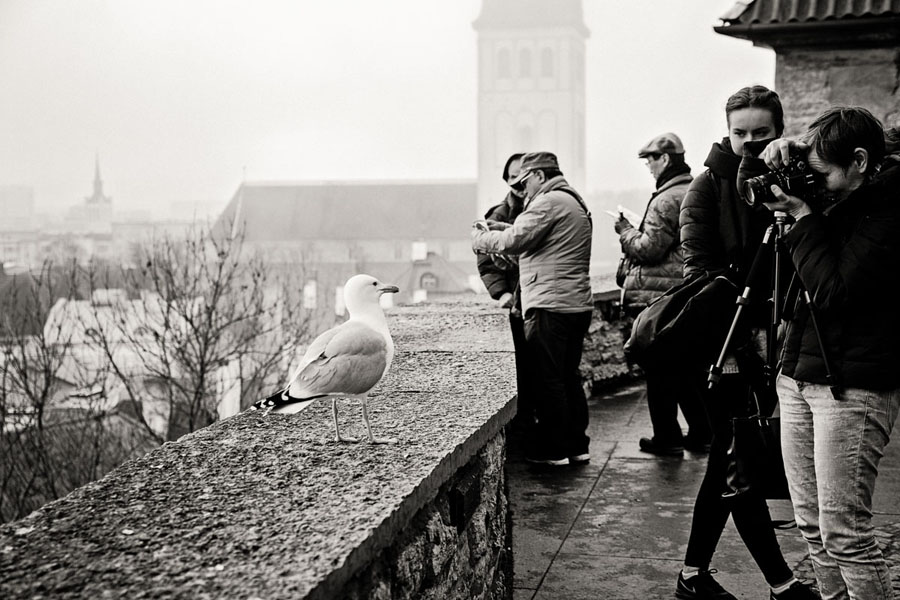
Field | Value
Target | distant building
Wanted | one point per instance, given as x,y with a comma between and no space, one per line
413,234
531,88
94,216
18,227
827,53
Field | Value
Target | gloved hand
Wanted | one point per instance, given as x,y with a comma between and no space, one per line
622,224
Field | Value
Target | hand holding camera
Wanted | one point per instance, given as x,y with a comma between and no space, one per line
789,185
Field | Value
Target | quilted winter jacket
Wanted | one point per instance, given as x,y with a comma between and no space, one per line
552,237
654,248
849,262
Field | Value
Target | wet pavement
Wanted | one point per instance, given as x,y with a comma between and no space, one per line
618,527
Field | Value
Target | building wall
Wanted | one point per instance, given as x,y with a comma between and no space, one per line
812,80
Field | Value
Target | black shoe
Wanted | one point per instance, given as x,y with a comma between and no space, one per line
701,587
797,591
653,447
696,446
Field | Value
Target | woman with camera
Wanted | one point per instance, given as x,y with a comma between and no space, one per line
719,232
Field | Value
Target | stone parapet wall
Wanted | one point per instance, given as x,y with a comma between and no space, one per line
458,546
269,507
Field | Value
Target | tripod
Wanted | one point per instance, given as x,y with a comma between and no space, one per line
773,248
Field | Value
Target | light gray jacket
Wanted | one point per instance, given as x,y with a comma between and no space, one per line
552,237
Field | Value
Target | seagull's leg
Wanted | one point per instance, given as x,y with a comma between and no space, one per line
373,439
337,429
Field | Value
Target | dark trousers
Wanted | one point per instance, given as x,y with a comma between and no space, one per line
667,389
749,511
526,382
555,340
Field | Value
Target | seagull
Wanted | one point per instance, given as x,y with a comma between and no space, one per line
346,361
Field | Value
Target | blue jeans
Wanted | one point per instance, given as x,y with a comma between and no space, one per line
831,453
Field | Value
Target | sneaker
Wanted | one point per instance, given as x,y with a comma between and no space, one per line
580,459
653,447
700,587
797,591
545,459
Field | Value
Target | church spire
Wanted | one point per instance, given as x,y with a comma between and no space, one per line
97,197
98,183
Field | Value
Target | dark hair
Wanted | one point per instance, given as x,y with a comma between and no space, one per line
757,96
840,130
510,161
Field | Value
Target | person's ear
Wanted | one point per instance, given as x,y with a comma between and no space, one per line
860,160
667,160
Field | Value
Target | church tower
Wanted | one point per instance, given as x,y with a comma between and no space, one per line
531,88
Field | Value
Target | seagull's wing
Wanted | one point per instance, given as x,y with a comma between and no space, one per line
352,361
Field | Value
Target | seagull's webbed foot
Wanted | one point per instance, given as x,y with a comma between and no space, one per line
372,438
375,440
337,430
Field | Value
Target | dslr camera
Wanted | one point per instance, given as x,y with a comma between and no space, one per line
795,178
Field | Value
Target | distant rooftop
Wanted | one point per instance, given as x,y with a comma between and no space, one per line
525,14
792,22
373,210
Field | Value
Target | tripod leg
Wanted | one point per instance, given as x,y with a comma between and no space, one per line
715,371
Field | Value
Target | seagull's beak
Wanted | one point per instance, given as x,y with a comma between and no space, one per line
389,289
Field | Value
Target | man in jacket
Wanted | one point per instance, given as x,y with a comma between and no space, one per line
552,238
653,250
501,278
834,430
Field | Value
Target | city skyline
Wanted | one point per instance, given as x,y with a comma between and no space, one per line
183,102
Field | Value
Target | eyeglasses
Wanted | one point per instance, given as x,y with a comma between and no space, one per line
651,158
520,185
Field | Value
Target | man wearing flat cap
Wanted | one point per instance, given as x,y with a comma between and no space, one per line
552,238
653,252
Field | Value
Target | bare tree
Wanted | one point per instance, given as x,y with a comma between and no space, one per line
49,445
196,307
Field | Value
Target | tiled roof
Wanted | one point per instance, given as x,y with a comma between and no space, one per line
525,14
772,12
353,210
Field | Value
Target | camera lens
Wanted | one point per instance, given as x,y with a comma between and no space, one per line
756,190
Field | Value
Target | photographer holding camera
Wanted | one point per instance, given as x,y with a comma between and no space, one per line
847,255
719,232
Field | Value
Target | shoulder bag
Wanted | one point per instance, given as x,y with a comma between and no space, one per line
686,325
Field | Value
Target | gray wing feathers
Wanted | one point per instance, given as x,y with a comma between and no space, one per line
349,359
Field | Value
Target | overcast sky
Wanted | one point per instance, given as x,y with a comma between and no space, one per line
180,97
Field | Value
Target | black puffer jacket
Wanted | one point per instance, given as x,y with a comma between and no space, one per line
718,229
497,280
849,262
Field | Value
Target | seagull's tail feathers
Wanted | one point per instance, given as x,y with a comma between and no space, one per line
284,401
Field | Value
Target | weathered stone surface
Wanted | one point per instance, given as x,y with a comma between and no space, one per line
270,507
811,80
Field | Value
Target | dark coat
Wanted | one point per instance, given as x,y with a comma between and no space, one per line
718,229
849,262
499,280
